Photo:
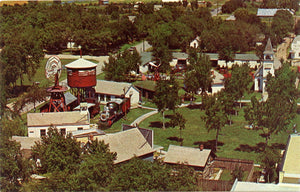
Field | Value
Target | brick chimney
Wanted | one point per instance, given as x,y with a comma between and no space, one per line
201,147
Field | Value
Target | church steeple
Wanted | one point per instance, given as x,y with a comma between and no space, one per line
269,53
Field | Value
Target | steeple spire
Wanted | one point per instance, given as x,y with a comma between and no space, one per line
269,48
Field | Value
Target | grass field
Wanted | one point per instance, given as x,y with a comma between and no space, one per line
234,141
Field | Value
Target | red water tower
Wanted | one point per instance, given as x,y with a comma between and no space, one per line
82,79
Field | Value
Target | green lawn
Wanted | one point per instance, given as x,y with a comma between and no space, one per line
234,141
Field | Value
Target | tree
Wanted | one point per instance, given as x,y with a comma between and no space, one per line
215,116
140,175
14,166
36,94
159,39
166,96
282,24
232,5
240,81
96,165
275,114
119,66
198,74
57,152
269,159
178,120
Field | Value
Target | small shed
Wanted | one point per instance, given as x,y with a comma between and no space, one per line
26,144
194,157
110,90
147,88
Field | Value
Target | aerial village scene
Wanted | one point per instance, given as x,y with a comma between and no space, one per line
150,95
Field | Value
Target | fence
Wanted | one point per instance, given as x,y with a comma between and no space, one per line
231,164
214,185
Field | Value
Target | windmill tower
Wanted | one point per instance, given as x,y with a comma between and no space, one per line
52,71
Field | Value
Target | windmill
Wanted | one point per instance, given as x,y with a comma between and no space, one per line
52,71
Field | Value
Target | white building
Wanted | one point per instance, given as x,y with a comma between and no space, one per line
295,48
266,68
195,43
38,123
110,90
218,82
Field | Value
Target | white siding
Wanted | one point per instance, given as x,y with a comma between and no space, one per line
36,131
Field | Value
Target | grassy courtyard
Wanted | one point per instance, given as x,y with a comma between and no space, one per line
234,141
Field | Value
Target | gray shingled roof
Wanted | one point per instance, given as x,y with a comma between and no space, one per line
269,48
112,87
187,155
26,142
57,118
69,98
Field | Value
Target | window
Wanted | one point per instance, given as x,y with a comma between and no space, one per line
63,131
43,132
80,128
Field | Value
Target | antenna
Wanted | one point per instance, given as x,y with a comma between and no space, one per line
53,69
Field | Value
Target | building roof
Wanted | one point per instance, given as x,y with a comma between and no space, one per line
238,57
180,55
57,118
269,48
126,144
266,12
87,132
69,98
26,142
291,158
297,38
81,64
147,85
187,155
252,186
231,18
112,87
218,77
269,12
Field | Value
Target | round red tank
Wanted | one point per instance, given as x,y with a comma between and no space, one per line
81,73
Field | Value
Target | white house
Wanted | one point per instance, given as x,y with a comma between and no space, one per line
195,43
38,123
110,90
295,48
218,82
266,68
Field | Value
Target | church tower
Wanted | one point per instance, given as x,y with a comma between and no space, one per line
266,68
268,63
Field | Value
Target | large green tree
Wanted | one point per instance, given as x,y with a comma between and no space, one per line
275,114
198,75
14,167
166,96
215,116
96,165
57,152
119,67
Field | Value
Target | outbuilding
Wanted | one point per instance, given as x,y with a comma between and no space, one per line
39,123
110,90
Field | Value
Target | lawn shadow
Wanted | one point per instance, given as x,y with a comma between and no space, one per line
259,147
194,106
175,139
159,124
210,144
